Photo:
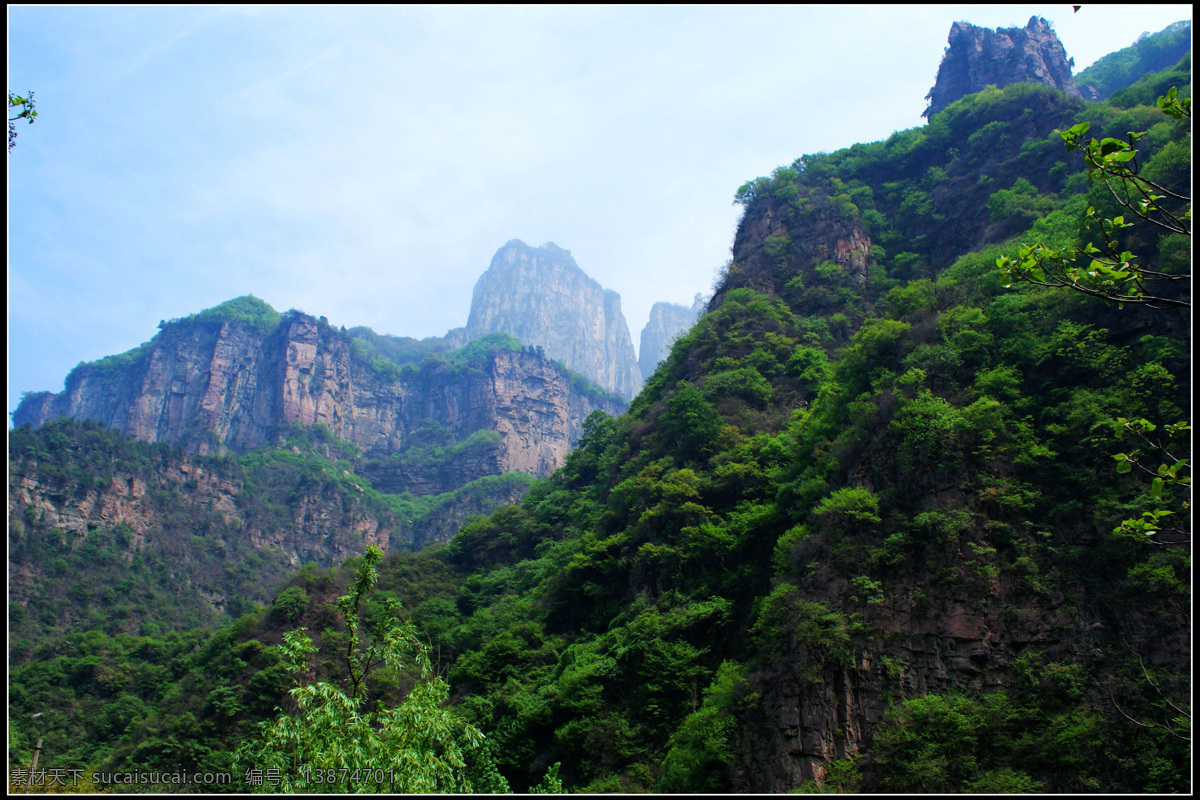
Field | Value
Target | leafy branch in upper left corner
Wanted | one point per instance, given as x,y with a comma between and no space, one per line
27,112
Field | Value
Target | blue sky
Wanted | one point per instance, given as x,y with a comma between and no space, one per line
365,163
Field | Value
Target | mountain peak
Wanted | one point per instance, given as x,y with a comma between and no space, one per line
977,57
542,297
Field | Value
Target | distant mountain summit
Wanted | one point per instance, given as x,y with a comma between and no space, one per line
979,57
542,297
667,321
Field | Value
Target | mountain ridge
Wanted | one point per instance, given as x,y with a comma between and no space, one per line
218,381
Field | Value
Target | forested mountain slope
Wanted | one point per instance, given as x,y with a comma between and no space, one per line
859,531
1152,52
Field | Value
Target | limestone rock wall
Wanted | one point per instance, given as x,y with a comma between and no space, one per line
542,297
667,322
217,386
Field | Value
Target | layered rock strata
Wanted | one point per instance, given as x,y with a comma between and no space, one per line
212,386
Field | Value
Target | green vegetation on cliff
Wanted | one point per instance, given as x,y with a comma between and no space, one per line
247,309
397,359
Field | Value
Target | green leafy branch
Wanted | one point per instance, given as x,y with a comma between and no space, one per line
394,636
1180,726
1172,472
1106,271
421,745
27,113
1115,162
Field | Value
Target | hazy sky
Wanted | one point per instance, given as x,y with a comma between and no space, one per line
366,163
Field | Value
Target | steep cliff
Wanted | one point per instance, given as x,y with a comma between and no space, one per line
775,254
542,297
869,608
211,384
294,442
667,321
322,526
90,510
978,57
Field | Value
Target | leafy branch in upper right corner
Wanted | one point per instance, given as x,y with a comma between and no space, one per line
1105,270
1171,473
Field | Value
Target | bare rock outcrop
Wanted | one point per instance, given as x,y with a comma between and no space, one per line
214,386
979,57
824,232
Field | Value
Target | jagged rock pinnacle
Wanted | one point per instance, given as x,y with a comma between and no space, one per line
978,57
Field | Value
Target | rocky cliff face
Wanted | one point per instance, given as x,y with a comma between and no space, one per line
323,526
448,428
945,640
219,545
667,321
978,57
824,233
211,386
542,297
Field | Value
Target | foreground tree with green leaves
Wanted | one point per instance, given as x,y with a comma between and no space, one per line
333,742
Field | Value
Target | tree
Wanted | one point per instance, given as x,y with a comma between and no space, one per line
27,112
1106,271
332,743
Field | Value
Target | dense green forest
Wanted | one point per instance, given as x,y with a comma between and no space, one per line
862,530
